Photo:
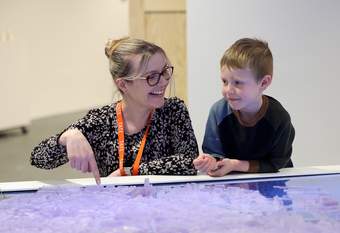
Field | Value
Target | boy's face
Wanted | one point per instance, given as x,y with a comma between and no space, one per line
241,89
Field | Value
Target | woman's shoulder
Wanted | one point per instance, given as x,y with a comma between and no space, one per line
102,112
173,104
173,108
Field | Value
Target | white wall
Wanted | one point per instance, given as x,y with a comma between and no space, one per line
304,37
64,44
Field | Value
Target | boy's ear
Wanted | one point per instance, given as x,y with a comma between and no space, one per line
121,84
266,81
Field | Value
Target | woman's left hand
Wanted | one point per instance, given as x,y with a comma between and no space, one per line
115,173
127,171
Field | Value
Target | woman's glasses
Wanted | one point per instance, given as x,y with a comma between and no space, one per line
153,78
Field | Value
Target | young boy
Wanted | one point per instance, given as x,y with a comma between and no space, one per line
246,131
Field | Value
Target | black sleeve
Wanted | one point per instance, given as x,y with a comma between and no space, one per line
185,147
281,152
50,154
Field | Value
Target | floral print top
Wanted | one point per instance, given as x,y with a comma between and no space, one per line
170,147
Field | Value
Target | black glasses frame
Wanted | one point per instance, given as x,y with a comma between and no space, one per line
155,76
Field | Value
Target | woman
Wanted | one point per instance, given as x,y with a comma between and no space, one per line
142,134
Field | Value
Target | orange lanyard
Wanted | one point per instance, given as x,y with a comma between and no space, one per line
121,147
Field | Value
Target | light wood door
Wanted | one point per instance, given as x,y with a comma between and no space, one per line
164,22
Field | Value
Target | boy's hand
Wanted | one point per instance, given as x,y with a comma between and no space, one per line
224,167
205,163
79,152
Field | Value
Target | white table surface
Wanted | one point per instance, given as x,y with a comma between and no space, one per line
138,180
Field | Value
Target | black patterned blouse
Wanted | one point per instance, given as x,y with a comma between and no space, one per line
170,148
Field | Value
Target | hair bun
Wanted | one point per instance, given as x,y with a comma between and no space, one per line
111,45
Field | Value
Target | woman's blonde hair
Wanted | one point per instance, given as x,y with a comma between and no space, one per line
119,53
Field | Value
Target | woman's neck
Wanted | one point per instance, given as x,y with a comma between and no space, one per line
135,117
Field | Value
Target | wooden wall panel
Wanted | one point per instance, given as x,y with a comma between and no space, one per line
164,5
164,23
168,31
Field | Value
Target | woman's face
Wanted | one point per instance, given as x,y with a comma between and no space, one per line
148,88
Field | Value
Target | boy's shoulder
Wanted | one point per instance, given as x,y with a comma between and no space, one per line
220,106
220,109
276,113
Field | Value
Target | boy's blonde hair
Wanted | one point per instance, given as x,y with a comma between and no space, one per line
249,53
119,53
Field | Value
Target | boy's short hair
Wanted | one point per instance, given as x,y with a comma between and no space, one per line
249,53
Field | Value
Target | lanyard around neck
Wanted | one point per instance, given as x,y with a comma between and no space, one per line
121,147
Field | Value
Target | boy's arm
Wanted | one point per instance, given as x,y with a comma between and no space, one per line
280,154
226,166
211,143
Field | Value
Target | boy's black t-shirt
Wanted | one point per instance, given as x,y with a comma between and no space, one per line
267,144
